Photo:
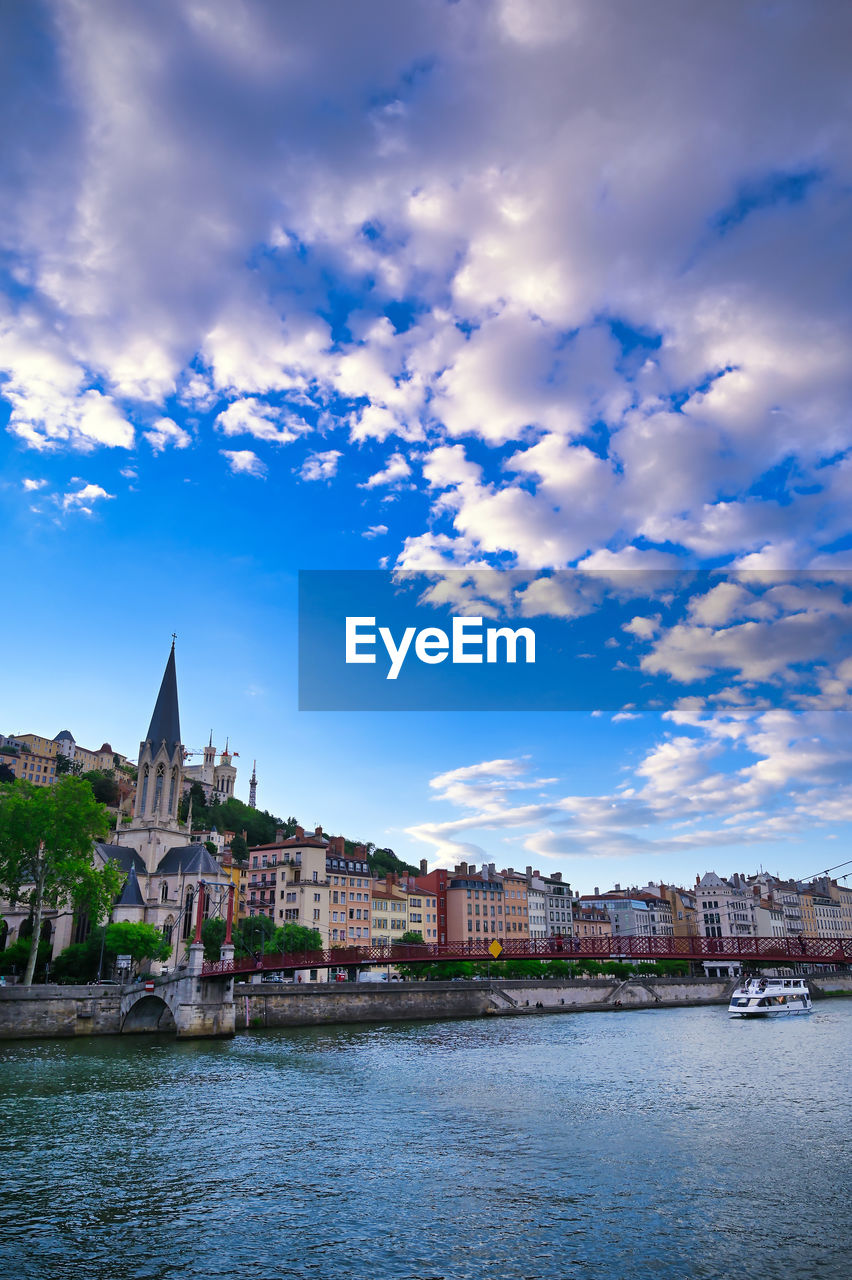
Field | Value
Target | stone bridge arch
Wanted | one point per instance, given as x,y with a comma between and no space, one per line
148,1011
183,1004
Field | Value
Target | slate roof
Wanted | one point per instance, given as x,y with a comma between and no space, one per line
131,894
165,722
191,859
124,856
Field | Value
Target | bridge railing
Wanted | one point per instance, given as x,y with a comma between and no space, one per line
618,947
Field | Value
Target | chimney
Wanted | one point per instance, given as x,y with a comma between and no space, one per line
557,876
472,868
318,832
424,867
279,835
618,888
492,868
300,833
529,872
462,868
597,892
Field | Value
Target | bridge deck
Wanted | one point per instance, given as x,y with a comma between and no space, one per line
816,951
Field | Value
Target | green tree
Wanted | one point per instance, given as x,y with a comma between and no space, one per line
81,961
239,849
104,786
213,935
292,937
210,847
6,774
413,938
46,846
65,765
252,934
139,941
15,958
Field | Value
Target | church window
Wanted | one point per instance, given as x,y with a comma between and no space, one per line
167,930
144,789
164,892
172,789
187,914
158,788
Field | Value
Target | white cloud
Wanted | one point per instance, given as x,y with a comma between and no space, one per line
31,485
165,432
395,472
375,531
263,421
320,466
244,462
82,499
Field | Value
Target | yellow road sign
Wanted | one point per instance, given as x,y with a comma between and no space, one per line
495,949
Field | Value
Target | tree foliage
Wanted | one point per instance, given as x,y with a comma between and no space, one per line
291,937
104,786
239,849
64,764
252,934
138,940
14,959
213,935
46,845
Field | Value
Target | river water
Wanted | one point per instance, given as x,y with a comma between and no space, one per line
667,1143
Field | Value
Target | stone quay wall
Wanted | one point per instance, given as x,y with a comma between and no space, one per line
60,1011
56,1011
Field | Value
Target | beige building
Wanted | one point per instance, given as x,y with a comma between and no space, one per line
25,762
591,921
682,904
389,912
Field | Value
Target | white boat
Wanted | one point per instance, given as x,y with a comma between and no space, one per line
770,998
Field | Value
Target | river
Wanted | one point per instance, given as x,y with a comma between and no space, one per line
667,1143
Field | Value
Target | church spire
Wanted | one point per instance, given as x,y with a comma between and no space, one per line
165,722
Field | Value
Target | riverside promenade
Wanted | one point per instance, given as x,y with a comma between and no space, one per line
52,1011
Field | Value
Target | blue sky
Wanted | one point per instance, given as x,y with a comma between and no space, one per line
477,286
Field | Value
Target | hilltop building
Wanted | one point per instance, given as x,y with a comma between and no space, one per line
217,778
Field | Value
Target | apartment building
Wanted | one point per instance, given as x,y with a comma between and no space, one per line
515,905
590,921
559,906
682,904
537,903
435,883
475,904
350,895
629,912
725,908
389,902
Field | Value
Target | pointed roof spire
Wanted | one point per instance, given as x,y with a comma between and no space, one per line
210,743
131,894
165,722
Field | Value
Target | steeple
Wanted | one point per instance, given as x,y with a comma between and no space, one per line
253,785
165,722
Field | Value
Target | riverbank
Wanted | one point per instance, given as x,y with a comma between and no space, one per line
63,1012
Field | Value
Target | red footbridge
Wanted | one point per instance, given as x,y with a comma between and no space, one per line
748,951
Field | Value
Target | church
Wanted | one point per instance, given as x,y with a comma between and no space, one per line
163,865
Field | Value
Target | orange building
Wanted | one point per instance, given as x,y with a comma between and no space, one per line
515,905
475,904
